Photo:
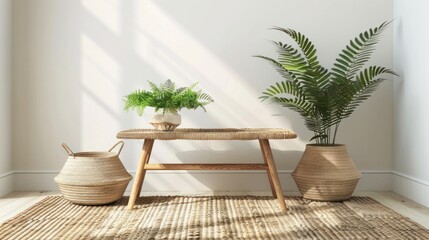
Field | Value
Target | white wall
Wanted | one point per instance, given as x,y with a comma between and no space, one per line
411,37
5,97
75,60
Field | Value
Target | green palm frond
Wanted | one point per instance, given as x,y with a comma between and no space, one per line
304,108
285,73
322,97
354,56
283,88
311,75
291,59
304,44
366,83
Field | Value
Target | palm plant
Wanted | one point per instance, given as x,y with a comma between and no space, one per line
167,97
324,98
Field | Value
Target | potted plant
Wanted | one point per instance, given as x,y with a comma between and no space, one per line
324,98
167,101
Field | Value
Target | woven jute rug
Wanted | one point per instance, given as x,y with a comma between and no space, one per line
212,217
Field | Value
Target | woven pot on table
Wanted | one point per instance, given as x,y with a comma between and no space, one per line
166,120
326,173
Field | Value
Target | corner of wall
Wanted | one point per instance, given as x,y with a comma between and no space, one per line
6,174
6,183
410,163
411,187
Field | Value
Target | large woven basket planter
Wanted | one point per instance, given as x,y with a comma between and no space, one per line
326,173
93,178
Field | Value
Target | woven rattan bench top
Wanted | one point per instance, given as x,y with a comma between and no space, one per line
208,134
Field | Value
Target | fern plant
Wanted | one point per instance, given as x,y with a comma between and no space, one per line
324,98
167,97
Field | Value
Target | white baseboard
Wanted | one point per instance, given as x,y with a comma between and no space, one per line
375,180
411,187
6,183
203,181
35,181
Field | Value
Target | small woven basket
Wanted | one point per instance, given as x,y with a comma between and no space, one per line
93,178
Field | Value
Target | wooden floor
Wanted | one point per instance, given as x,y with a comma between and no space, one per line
16,202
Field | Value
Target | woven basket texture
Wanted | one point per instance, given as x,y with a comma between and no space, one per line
326,173
208,134
93,178
165,126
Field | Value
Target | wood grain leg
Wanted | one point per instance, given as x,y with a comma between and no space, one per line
146,161
273,190
138,181
268,156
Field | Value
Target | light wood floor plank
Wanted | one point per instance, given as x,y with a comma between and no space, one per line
17,202
401,205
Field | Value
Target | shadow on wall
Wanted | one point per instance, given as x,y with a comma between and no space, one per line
123,47
123,44
77,59
105,49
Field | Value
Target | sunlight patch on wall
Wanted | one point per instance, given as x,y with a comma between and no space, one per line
97,64
171,50
106,12
100,106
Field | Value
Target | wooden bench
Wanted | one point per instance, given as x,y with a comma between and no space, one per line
261,134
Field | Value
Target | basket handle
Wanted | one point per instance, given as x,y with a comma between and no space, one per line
68,150
120,149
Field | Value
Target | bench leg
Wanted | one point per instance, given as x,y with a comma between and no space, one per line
138,181
272,173
273,190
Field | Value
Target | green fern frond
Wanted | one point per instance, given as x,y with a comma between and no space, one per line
166,97
205,97
193,85
153,87
168,86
